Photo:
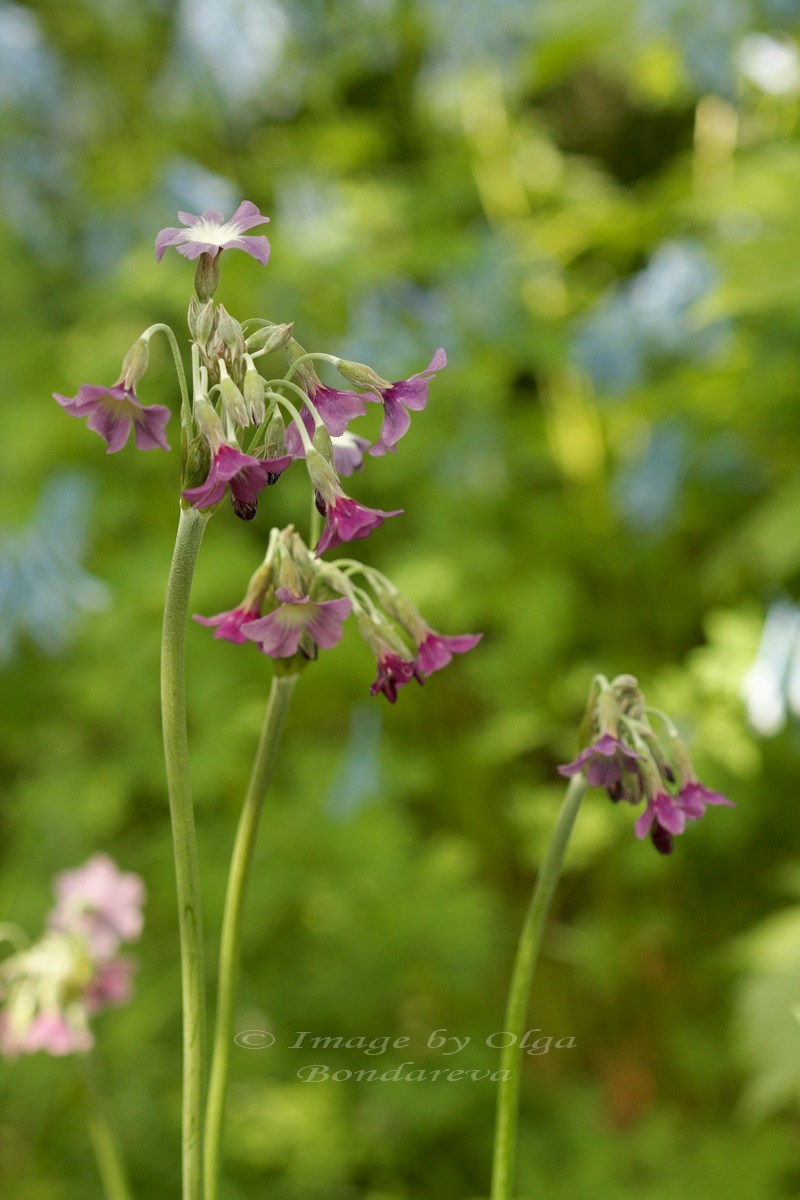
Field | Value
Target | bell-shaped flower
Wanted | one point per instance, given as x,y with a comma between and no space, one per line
397,399
113,411
348,453
604,762
210,233
345,519
246,476
229,624
278,634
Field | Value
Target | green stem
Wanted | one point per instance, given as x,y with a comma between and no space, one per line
190,922
505,1135
107,1153
232,921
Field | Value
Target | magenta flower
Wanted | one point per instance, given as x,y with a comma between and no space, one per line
113,410
210,233
346,520
694,796
398,398
436,651
394,673
99,903
229,624
336,410
247,477
48,1031
348,453
278,634
604,761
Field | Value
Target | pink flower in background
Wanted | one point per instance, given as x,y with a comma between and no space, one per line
113,411
101,903
436,651
694,796
411,393
48,1031
278,633
210,233
603,761
348,452
229,624
111,987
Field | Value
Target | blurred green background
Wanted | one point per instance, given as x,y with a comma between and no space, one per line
593,206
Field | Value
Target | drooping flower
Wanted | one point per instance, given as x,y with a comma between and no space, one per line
348,452
604,762
694,796
229,624
336,410
345,519
210,233
399,398
394,672
663,818
246,475
436,650
99,903
278,633
112,411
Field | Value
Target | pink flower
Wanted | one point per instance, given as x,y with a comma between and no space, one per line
247,477
436,651
694,796
348,453
398,398
48,1031
113,410
394,673
278,634
229,624
111,987
604,761
210,233
347,521
336,410
100,903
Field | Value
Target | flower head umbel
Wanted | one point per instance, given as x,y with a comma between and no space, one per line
279,633
113,411
49,991
210,232
629,759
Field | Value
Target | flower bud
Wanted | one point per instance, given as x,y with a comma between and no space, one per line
229,332
361,375
305,374
269,338
323,476
254,393
206,277
275,437
233,401
135,364
208,422
406,614
322,442
201,320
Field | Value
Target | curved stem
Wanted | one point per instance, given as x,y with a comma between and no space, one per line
176,354
232,921
505,1135
176,754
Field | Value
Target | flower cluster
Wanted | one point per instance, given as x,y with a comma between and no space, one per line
49,991
625,756
235,429
296,604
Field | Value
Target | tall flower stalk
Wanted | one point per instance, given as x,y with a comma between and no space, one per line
233,919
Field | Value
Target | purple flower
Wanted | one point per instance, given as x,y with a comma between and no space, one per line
694,796
99,903
411,393
394,672
210,233
336,410
230,623
604,761
436,651
111,987
347,521
246,475
278,634
348,453
113,410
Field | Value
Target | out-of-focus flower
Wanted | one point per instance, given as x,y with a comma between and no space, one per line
100,903
112,411
210,233
394,672
603,761
278,634
229,624
348,453
694,796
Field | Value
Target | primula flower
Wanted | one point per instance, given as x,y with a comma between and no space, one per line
210,233
348,453
398,398
394,672
346,520
694,796
247,477
436,651
99,903
604,761
336,410
278,634
113,410
229,624
52,1032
